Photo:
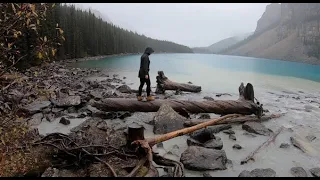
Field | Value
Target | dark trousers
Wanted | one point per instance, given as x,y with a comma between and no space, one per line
147,81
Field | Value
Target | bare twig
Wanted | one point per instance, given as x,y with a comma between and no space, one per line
266,143
139,165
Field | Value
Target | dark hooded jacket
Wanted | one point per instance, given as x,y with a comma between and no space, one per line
145,62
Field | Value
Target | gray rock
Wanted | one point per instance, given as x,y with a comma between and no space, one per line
175,150
68,101
228,131
258,173
203,135
298,172
82,115
64,121
310,138
249,134
284,145
35,119
36,106
123,115
101,114
204,116
208,98
200,158
232,137
97,95
315,172
206,174
257,128
124,89
236,146
167,120
245,173
72,109
214,144
211,144
160,145
56,110
49,117
193,142
218,128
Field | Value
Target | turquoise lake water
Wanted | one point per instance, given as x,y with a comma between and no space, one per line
191,64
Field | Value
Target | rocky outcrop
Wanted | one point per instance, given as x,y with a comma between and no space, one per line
271,15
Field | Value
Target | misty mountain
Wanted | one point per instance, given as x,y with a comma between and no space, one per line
221,45
287,31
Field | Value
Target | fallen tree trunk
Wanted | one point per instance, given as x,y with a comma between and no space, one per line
219,106
163,84
244,105
194,122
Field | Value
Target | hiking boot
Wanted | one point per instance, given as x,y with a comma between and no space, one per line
139,98
150,98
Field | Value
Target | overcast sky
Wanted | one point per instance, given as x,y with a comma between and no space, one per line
191,24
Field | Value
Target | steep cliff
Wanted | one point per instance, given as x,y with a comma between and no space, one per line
295,36
271,15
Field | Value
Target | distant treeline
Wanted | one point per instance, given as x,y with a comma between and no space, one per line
87,35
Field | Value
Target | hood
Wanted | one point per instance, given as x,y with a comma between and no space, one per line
149,50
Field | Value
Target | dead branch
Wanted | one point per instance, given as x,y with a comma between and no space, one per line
193,122
178,168
136,169
266,143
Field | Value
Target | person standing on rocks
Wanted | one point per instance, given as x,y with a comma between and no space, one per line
144,74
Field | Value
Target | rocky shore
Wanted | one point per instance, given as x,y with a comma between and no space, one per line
55,99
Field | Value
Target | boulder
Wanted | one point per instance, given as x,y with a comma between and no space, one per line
257,128
36,106
298,172
249,134
232,137
49,117
202,135
35,120
208,98
204,116
228,131
258,173
218,128
315,172
96,95
66,101
214,144
64,121
124,89
284,145
167,120
200,158
236,146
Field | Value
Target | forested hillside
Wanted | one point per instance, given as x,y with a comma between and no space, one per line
86,35
42,32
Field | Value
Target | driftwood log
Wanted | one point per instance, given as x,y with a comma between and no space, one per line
242,119
219,106
244,105
163,84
